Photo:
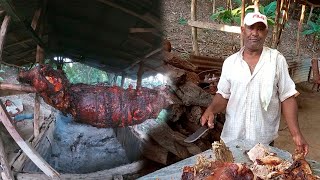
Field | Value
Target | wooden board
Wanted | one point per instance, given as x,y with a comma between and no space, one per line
25,146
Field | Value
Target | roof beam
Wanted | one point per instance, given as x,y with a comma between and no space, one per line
7,6
146,17
144,59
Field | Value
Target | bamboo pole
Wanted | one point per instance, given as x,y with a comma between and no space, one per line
194,31
3,32
303,8
242,18
213,6
285,6
276,26
7,173
312,7
26,147
256,5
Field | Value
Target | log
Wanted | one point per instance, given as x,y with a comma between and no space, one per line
191,94
17,87
175,61
167,138
105,174
175,112
194,114
137,142
177,76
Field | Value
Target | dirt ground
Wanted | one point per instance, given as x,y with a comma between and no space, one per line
309,113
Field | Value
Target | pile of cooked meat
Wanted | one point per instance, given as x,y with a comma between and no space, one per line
264,165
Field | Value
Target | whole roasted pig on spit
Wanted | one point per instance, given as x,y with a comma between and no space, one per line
98,105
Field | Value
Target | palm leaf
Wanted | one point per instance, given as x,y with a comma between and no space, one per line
309,31
270,8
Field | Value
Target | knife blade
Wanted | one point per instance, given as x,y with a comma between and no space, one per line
196,135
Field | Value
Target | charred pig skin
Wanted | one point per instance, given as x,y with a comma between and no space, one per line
97,105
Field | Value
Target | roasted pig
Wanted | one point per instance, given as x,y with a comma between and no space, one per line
98,105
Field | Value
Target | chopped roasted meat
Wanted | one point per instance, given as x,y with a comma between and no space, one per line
218,170
99,106
268,166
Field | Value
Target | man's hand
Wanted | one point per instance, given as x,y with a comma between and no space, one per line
301,144
208,117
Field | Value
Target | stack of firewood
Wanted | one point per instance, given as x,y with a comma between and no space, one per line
165,136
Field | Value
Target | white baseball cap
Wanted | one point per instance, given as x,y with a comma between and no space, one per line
254,17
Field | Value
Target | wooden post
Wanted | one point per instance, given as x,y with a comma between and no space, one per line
139,75
213,6
303,8
194,31
37,23
310,13
276,26
256,5
3,32
26,147
123,78
7,173
243,4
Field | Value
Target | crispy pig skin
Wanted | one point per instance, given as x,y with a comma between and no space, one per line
97,105
219,170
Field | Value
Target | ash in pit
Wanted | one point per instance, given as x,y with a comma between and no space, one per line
80,148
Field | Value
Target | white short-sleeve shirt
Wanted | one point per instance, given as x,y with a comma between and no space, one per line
245,116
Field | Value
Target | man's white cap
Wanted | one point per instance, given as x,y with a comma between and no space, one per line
254,17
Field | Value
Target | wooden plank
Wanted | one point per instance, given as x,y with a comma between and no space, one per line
7,174
105,174
214,26
194,31
17,87
3,32
26,147
18,164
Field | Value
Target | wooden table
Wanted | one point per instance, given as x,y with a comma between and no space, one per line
238,148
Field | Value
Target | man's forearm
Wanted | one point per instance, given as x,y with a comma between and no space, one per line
290,113
218,104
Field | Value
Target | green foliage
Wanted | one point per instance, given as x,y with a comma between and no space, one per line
313,28
79,73
182,21
233,17
1,71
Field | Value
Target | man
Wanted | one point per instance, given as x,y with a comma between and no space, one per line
254,88
15,112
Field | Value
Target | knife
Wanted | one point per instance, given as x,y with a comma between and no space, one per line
196,135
